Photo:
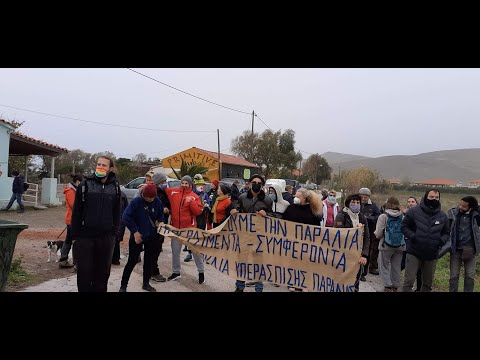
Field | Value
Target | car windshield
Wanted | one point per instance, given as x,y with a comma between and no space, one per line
174,183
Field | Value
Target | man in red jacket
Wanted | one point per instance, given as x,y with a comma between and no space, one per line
185,206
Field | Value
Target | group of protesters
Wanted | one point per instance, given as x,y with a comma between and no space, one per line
394,238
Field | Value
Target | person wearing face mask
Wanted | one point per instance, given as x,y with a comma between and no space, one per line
427,229
411,202
371,212
464,242
287,194
330,209
141,217
222,206
351,217
307,208
257,202
279,205
95,226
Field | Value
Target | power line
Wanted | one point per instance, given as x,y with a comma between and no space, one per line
108,124
264,123
170,86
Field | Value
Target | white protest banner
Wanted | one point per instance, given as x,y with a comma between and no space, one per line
254,248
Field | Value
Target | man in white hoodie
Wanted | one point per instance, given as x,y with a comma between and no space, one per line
279,205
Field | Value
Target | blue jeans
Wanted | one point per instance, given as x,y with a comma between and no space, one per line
241,285
18,197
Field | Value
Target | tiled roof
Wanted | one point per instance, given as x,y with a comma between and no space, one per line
229,159
6,123
40,142
437,182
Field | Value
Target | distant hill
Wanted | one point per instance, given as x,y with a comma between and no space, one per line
458,165
338,158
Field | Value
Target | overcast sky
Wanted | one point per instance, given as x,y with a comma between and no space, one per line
370,112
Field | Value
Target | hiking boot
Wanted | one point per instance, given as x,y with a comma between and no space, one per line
188,257
149,288
122,289
237,289
65,264
158,278
201,278
374,272
174,276
362,278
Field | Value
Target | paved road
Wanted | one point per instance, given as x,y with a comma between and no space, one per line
215,280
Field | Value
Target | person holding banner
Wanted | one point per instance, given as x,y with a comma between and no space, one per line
253,201
222,206
185,207
307,208
351,217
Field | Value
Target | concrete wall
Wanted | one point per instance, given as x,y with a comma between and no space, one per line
5,182
49,192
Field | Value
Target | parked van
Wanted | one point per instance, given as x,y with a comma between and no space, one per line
282,183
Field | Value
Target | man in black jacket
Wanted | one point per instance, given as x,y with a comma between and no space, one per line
427,229
371,212
95,224
17,191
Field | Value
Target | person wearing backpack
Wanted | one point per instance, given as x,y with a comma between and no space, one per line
391,244
18,188
95,225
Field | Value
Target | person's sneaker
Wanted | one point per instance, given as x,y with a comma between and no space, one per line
362,278
158,278
201,278
374,272
174,276
20,211
64,264
3,209
115,262
188,257
149,288
237,289
291,288
122,289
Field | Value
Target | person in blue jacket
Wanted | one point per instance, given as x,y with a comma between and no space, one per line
141,217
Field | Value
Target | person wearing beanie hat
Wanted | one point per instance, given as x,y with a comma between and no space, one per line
254,201
372,212
426,228
188,179
185,207
141,217
212,194
159,178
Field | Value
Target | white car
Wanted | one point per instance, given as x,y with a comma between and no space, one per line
131,189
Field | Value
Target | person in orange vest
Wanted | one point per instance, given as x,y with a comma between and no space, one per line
69,191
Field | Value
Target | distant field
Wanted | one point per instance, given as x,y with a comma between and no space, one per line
442,273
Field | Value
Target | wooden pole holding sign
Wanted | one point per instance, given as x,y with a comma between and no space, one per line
218,155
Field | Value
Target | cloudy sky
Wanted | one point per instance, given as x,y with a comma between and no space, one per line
370,112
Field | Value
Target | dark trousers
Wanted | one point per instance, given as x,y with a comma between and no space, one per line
67,245
134,251
372,263
94,260
157,243
116,250
18,198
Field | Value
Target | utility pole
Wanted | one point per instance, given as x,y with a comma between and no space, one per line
253,120
218,156
73,167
